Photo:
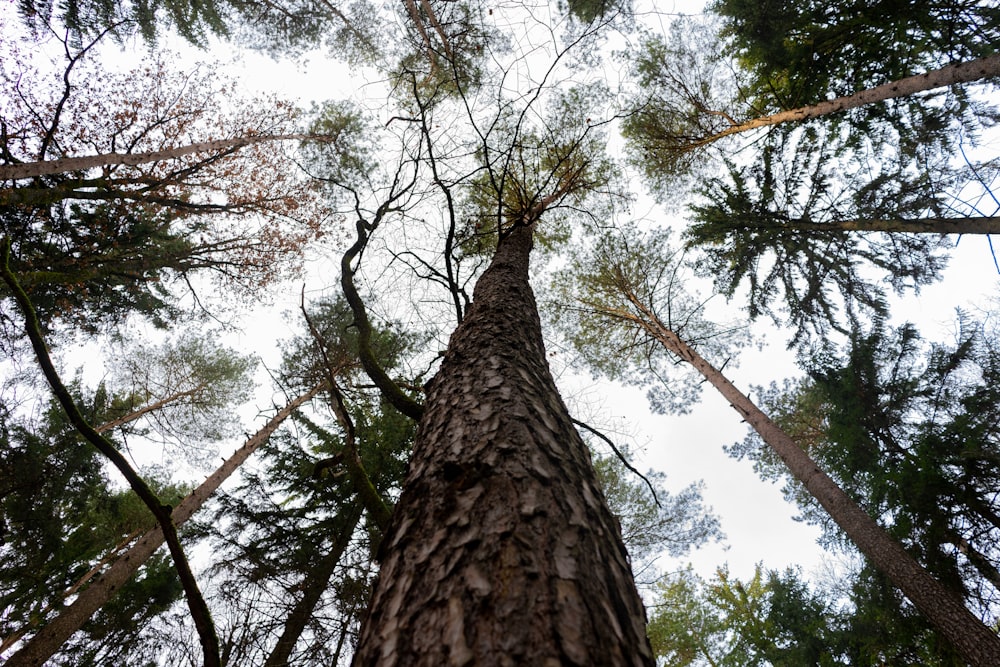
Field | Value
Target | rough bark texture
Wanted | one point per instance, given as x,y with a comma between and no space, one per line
44,644
946,612
502,550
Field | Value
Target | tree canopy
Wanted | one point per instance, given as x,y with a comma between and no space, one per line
402,480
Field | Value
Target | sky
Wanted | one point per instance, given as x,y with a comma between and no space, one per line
759,525
757,522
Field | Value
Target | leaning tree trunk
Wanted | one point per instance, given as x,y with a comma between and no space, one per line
930,225
978,644
502,550
313,585
949,75
44,644
24,170
963,225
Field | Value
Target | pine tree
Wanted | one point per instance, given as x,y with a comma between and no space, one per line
626,290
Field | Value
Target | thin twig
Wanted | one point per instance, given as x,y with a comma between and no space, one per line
620,456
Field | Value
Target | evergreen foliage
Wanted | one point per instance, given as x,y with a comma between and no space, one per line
60,515
909,430
777,618
802,52
817,276
195,20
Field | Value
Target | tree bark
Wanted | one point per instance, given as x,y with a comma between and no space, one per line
946,612
949,75
62,165
313,586
47,641
967,225
502,550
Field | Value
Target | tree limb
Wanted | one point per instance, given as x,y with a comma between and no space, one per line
621,457
199,609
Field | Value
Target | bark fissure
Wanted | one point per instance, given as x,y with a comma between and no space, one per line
502,550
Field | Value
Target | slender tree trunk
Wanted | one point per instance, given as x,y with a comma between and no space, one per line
313,586
967,225
62,165
150,407
945,610
962,72
502,550
47,641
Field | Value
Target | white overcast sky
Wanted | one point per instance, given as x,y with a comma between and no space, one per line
758,523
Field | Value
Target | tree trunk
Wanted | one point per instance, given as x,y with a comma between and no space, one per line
962,72
946,612
53,635
967,225
313,586
62,165
150,407
502,550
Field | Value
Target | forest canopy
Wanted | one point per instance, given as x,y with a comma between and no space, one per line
349,377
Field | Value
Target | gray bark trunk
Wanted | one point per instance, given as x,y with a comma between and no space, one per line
44,644
949,75
62,165
946,612
502,550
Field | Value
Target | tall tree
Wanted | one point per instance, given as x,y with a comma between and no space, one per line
908,430
801,51
871,150
683,113
109,450
187,404
624,289
24,170
60,514
501,542
48,640
501,512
